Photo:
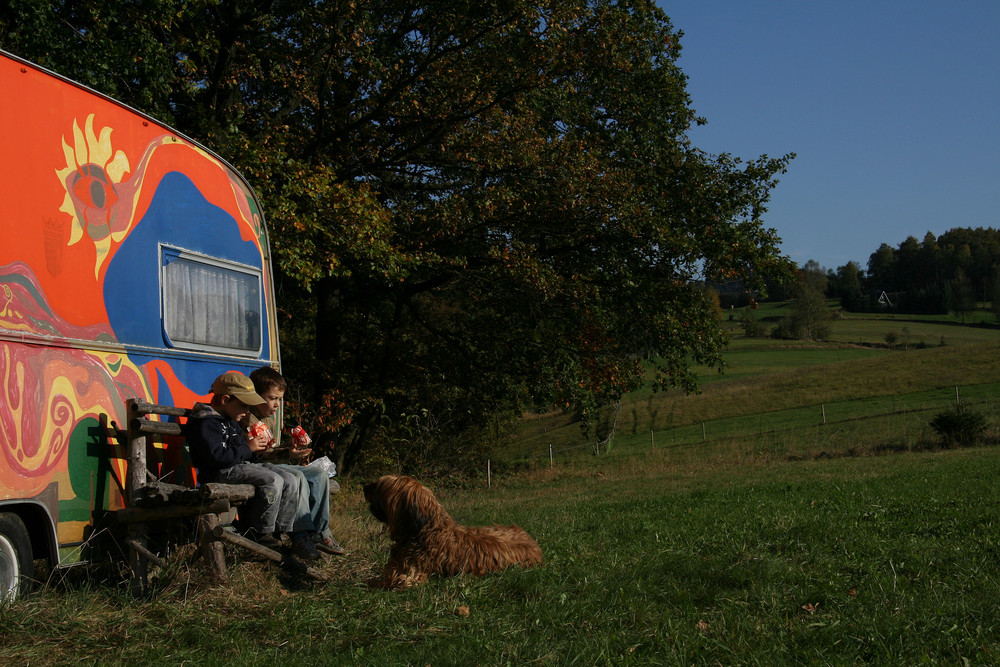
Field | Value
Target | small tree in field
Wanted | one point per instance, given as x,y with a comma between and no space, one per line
752,327
810,320
961,298
959,426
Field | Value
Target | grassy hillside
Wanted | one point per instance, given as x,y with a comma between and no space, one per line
772,385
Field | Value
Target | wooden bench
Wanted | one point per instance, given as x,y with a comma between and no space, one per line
149,500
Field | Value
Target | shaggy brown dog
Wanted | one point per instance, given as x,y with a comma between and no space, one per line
428,541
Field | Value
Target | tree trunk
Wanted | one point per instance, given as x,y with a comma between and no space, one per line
357,434
329,331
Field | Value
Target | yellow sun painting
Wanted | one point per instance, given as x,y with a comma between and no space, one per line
91,178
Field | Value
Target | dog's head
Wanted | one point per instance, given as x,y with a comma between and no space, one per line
403,504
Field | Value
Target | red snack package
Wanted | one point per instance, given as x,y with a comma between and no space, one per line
300,438
259,427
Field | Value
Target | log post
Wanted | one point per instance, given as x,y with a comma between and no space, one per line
211,548
134,480
146,553
240,541
136,476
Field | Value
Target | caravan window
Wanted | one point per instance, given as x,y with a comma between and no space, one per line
210,304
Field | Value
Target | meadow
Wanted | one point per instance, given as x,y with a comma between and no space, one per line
762,537
797,397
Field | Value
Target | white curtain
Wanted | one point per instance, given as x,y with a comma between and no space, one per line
206,304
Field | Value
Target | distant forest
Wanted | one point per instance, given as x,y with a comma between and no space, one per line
957,272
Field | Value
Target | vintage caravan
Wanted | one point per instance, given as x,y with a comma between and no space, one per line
134,263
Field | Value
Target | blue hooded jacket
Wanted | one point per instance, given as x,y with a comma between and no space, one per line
216,441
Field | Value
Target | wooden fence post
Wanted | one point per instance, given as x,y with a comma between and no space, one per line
135,479
211,548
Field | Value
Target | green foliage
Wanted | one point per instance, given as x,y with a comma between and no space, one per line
959,425
846,285
936,275
475,207
751,326
959,295
810,318
891,338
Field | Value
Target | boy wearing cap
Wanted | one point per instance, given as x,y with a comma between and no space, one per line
222,453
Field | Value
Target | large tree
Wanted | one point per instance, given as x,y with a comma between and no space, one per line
477,206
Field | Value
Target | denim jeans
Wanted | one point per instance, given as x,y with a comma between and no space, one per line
273,506
289,510
313,513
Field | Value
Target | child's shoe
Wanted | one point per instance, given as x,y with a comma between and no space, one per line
328,544
303,548
263,539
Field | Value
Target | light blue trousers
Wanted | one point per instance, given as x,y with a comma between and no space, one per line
312,514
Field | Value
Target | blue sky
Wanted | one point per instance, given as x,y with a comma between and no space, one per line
892,107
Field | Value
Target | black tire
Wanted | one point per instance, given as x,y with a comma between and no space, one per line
17,566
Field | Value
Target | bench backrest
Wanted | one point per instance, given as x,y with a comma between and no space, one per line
173,464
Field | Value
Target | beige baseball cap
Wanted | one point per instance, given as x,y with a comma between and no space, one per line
237,385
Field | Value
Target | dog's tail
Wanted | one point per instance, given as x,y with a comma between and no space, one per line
492,548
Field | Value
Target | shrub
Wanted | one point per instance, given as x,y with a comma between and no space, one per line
752,327
959,426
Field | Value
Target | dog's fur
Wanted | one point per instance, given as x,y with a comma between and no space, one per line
426,540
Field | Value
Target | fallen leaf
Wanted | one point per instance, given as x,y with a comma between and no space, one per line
810,607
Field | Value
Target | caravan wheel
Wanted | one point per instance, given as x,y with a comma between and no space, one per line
17,568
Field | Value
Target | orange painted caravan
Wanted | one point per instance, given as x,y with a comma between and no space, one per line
133,264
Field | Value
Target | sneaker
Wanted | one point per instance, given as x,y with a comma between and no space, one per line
328,544
263,539
303,548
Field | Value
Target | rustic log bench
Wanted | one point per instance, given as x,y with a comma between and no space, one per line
150,500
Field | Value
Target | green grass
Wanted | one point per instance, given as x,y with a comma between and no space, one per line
871,328
772,385
878,560
749,360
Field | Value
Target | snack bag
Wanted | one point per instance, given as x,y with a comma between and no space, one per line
300,438
260,427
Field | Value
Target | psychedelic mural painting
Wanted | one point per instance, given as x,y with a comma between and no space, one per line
126,248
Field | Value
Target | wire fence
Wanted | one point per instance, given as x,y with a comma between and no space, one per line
879,423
